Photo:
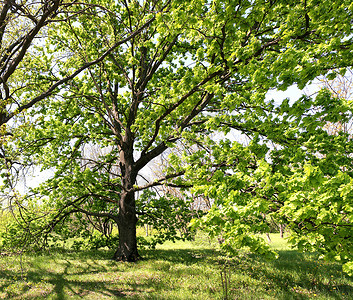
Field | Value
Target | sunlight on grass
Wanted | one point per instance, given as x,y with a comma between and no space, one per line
181,270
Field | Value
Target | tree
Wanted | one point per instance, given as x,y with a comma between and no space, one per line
340,86
26,79
23,28
197,67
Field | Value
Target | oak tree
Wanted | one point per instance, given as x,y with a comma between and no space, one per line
195,68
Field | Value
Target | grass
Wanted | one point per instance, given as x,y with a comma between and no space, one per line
184,270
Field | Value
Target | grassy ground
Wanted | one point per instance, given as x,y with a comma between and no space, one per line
183,270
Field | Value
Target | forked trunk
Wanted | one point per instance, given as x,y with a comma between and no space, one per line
127,219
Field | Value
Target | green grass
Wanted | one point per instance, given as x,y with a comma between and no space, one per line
184,270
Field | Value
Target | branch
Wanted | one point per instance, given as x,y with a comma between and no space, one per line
3,17
145,158
77,72
159,182
196,110
96,214
175,106
158,63
28,40
106,198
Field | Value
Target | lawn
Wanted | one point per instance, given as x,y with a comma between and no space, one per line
184,270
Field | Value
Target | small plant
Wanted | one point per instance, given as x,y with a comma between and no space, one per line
225,278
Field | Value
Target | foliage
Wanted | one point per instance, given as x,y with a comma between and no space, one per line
169,215
304,181
192,72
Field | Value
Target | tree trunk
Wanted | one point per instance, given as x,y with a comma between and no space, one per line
282,227
127,250
127,219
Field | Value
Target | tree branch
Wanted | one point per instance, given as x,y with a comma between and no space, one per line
74,74
160,181
175,106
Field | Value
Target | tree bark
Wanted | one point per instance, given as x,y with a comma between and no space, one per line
127,249
127,219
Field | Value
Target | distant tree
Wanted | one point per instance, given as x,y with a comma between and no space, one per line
340,86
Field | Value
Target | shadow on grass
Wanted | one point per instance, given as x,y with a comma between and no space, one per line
59,286
92,274
76,275
296,276
67,275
